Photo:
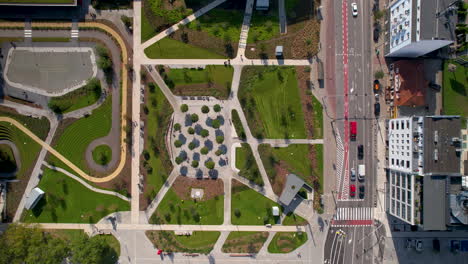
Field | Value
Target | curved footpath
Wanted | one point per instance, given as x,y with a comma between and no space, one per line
123,145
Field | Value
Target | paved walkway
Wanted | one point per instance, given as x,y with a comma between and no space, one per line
184,21
244,61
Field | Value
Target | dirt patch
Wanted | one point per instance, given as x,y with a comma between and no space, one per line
202,89
279,179
303,79
247,244
204,40
21,101
212,187
166,240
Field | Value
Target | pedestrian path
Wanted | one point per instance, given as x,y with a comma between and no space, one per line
74,33
28,33
353,216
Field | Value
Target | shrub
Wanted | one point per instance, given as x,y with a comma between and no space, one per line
219,152
177,143
194,118
205,109
237,212
216,123
192,145
184,108
195,163
379,75
210,164
191,131
204,133
204,150
179,160
177,127
217,108
146,155
220,139
152,87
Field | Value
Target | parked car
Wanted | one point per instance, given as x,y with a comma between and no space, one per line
353,174
352,190
377,109
419,245
409,243
354,9
376,86
360,154
436,244
361,192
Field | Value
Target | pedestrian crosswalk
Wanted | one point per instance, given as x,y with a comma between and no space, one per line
356,213
339,161
27,33
74,33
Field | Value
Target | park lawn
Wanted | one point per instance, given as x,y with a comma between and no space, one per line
168,48
293,220
270,99
56,39
147,31
254,208
102,154
455,91
220,23
296,156
318,169
39,126
7,159
285,242
238,124
247,165
157,121
75,138
82,97
67,201
214,80
318,117
244,242
174,210
264,27
199,242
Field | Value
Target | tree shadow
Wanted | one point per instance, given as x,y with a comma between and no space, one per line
458,87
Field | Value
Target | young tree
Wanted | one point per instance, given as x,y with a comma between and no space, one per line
194,118
177,127
205,109
216,123
191,131
220,139
204,133
210,164
184,108
217,108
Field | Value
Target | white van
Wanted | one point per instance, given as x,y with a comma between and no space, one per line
361,172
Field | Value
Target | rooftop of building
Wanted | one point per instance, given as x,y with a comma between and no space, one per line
440,145
438,19
292,187
409,83
400,24
435,203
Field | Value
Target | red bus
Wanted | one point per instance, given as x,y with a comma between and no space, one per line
353,129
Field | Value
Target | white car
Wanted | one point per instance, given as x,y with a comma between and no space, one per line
419,245
354,9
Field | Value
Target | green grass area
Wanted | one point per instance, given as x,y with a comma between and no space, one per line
220,23
159,165
244,242
147,30
199,242
264,27
270,99
174,210
318,169
318,117
238,125
293,220
455,90
39,126
247,165
75,138
214,80
18,39
37,1
168,48
171,15
56,39
285,242
102,154
82,97
67,201
7,159
248,207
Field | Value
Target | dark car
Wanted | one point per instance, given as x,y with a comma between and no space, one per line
361,192
436,245
360,152
377,109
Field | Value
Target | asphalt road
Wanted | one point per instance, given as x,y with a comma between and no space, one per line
354,100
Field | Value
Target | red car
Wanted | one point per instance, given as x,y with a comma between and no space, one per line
352,190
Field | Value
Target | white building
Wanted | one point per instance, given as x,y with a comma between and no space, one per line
401,196
418,27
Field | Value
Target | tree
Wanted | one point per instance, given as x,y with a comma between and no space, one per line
210,164
219,152
204,150
204,133
177,127
237,212
216,123
379,74
179,160
220,139
195,163
217,108
191,131
184,108
194,118
177,143
192,145
205,109
89,250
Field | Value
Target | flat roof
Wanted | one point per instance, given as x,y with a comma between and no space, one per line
435,203
292,187
438,134
438,19
34,196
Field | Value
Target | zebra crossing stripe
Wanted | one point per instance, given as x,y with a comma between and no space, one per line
74,33
27,33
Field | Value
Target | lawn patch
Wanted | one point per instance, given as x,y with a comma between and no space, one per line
185,210
156,163
67,201
455,90
244,242
264,26
199,242
220,23
292,219
82,97
270,99
247,165
238,125
56,39
285,242
168,48
102,154
39,126
212,81
246,212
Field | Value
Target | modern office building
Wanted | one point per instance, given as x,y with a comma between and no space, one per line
423,169
417,27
